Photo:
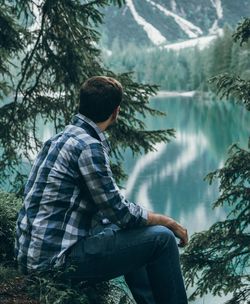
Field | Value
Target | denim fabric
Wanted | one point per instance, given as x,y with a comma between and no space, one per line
148,257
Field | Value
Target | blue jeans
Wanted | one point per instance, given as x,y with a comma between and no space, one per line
148,257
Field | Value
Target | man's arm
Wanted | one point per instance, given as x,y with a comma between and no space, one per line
97,175
179,231
95,169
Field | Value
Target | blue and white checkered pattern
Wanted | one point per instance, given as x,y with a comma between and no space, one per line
69,191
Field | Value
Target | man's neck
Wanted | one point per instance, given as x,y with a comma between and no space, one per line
103,125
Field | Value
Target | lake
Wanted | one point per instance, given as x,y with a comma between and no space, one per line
171,179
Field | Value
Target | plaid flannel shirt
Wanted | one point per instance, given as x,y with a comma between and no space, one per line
69,191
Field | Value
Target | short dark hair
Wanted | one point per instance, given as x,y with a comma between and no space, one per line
99,97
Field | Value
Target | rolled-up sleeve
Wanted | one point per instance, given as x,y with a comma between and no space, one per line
95,169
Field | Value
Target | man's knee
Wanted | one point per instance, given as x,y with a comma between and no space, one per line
164,235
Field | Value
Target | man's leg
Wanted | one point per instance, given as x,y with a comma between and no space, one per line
139,285
112,253
165,276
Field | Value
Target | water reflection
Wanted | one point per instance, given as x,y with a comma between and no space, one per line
170,180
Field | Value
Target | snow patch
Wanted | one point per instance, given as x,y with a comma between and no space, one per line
200,43
173,5
214,28
153,34
218,6
189,28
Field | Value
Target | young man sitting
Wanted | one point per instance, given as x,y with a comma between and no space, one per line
74,213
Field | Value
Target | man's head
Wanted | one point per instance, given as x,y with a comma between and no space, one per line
100,97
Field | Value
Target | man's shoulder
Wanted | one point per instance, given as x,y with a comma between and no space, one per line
80,136
72,141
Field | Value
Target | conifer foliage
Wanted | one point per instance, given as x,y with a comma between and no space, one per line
218,260
187,69
48,48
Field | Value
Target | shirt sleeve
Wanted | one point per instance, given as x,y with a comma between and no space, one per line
95,168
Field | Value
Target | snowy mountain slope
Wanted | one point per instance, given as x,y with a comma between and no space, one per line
157,22
153,34
190,29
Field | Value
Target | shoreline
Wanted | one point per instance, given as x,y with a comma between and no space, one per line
161,94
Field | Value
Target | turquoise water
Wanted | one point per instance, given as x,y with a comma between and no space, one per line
171,179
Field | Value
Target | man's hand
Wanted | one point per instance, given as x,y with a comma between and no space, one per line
178,230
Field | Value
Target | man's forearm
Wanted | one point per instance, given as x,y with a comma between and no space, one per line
159,219
178,229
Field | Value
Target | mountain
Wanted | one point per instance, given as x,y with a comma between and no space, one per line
160,22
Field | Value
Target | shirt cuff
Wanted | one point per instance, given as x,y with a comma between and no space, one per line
144,216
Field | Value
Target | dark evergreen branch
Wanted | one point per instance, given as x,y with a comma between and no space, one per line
63,54
27,60
242,32
233,86
217,260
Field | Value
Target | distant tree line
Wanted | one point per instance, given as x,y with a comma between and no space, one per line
187,69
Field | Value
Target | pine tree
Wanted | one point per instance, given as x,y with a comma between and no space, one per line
218,260
10,44
55,45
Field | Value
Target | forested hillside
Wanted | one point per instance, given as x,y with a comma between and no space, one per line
187,69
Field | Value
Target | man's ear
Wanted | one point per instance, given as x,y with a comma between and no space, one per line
117,110
116,113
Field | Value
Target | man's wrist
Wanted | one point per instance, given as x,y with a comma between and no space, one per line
159,219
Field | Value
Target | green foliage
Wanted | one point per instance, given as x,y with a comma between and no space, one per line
60,51
10,44
7,273
52,289
242,32
49,288
49,291
218,260
9,206
233,86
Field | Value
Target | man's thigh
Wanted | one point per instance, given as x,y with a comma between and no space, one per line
114,252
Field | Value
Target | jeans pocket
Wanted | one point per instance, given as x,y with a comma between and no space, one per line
100,244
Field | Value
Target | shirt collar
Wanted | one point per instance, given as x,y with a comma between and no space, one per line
81,121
